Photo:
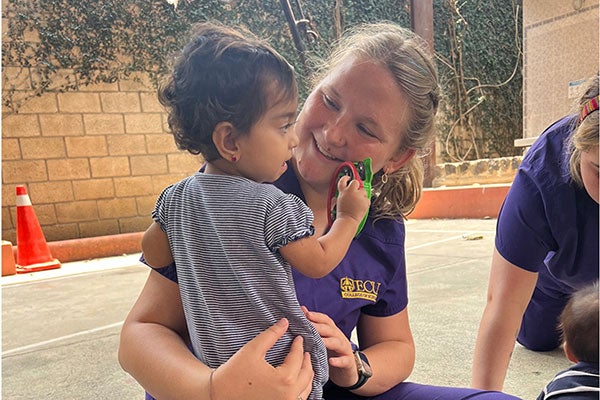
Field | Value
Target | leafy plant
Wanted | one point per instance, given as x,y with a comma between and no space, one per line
62,45
480,67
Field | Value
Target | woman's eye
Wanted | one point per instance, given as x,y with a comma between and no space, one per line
366,132
329,102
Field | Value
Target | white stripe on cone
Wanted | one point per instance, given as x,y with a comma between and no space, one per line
23,200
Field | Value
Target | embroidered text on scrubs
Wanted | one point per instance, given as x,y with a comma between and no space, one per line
359,289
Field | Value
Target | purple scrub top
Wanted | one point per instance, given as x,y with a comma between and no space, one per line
547,223
370,279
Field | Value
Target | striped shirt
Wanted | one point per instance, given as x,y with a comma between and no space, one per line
224,233
581,381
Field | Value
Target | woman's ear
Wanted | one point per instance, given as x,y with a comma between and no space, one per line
398,161
225,140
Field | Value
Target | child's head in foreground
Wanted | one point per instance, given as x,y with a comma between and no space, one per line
223,75
579,325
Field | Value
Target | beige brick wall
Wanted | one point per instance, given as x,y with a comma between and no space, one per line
93,161
560,48
477,172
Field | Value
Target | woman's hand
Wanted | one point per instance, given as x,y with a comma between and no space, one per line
247,375
342,371
387,342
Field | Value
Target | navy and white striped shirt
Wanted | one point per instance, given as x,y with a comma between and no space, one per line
581,382
224,233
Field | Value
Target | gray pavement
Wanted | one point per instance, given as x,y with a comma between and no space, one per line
60,329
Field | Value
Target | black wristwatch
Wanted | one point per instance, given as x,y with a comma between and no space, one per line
364,370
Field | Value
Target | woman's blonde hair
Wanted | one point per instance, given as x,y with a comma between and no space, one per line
410,62
585,136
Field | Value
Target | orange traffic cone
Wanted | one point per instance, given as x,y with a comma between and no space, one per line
33,253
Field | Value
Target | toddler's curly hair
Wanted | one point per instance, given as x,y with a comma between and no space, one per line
222,74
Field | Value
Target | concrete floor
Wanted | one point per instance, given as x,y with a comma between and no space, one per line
60,328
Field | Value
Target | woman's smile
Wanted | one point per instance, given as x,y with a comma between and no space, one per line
324,152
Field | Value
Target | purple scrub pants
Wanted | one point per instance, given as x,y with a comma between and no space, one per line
539,327
414,391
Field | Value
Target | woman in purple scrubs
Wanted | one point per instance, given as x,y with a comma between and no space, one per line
546,242
377,98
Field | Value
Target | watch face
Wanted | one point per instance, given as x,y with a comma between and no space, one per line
362,362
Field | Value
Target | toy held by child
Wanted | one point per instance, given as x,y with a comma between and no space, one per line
359,170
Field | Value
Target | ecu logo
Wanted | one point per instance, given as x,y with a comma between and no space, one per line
359,289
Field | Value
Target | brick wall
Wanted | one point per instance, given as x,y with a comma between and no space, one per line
93,161
477,172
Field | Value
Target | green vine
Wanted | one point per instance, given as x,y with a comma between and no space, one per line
62,45
480,64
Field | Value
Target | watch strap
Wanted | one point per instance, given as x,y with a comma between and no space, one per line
362,379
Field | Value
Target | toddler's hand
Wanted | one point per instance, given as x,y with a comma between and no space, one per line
352,200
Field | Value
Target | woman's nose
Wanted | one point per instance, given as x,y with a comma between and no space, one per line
294,140
334,133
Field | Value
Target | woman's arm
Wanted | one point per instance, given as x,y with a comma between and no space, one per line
153,352
389,346
509,292
151,348
386,341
